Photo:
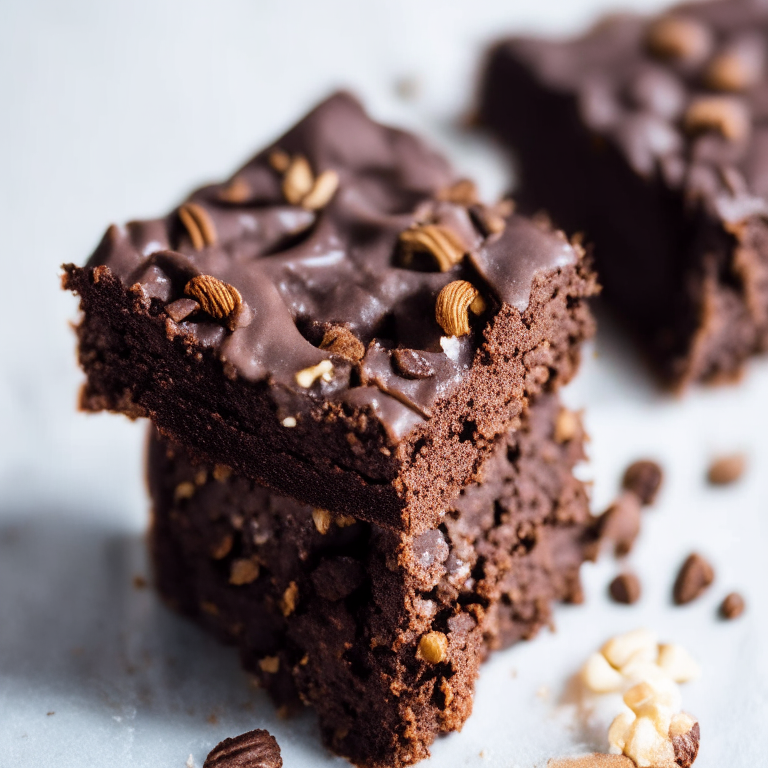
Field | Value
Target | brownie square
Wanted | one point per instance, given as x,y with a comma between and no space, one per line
380,631
341,321
650,135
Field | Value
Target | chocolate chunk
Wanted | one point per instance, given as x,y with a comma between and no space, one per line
181,309
255,749
732,606
411,364
727,469
337,578
695,575
686,746
643,478
625,588
620,523
339,340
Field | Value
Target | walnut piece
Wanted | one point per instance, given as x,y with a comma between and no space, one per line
433,647
454,302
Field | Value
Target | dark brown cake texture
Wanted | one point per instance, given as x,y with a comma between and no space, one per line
650,136
381,632
341,321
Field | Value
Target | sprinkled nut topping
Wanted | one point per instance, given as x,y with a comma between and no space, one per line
308,376
439,242
289,422
298,180
279,160
322,520
339,340
300,186
344,521
454,302
199,225
184,490
270,664
217,298
462,192
322,191
243,571
567,425
237,191
725,114
433,647
289,599
678,37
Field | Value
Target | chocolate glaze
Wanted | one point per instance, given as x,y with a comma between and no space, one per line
297,269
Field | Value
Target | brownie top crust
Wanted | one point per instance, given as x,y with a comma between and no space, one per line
684,96
317,267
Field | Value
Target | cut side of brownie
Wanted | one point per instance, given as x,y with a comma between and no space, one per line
342,320
381,632
650,136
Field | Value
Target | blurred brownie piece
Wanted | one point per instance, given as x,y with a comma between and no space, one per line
342,320
380,631
650,135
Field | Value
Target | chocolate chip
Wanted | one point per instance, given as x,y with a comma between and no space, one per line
620,523
643,478
727,469
732,607
411,365
180,309
255,749
694,577
625,588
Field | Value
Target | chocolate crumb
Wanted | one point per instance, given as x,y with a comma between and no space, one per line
411,365
732,607
255,749
643,478
625,588
620,523
339,340
725,470
694,577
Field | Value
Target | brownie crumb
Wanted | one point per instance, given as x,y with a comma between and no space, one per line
732,607
725,470
625,588
620,523
643,478
255,749
694,577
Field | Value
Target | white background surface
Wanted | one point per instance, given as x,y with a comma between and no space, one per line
113,110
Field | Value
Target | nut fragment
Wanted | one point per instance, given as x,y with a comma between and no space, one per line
438,242
223,547
454,302
339,340
567,425
255,749
322,520
289,599
727,115
279,160
344,521
237,191
217,298
695,575
221,472
308,376
738,67
462,192
679,37
599,676
621,649
199,225
643,478
243,571
270,664
685,734
732,607
678,663
433,647
185,490
298,180
322,191
727,469
625,588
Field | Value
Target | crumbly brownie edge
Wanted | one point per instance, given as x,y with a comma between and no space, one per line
339,459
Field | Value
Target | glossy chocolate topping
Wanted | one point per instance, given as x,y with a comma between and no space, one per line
333,258
685,96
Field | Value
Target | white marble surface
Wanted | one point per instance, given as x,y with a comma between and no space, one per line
114,110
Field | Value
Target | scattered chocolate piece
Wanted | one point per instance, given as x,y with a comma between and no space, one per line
625,588
686,746
181,309
732,607
643,478
255,749
411,364
620,523
694,577
725,470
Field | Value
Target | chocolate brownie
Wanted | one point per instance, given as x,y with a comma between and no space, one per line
342,320
650,135
380,631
